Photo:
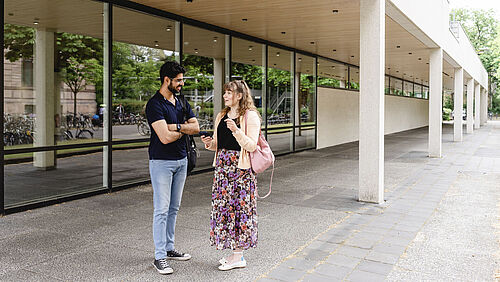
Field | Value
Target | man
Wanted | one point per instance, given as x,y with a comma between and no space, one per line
168,161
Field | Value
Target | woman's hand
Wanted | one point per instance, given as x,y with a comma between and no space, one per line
231,125
207,140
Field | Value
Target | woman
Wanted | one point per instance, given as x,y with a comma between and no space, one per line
233,219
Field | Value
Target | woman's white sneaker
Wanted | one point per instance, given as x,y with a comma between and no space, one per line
228,266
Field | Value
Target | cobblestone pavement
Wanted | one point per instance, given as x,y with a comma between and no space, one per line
439,222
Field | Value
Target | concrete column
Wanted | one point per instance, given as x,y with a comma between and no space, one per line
178,43
458,102
477,106
105,99
470,106
218,85
435,102
264,84
227,64
371,101
44,97
484,106
293,92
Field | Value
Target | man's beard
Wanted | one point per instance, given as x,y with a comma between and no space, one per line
173,89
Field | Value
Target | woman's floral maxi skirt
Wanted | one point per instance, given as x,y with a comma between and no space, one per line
233,220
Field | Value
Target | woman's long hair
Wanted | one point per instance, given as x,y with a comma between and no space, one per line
246,102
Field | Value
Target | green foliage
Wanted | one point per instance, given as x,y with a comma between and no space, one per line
130,105
447,114
250,73
331,82
483,28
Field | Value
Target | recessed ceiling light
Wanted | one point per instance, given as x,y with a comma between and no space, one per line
253,60
275,64
277,54
244,20
189,1
283,32
398,46
250,48
410,53
388,68
335,11
334,50
352,56
186,43
215,39
333,67
312,42
300,59
196,51
36,21
307,70
169,28
10,14
427,63
156,44
397,71
420,59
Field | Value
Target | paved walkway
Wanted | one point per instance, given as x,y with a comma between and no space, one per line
440,222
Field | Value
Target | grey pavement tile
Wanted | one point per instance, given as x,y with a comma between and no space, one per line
388,248
352,251
314,277
331,270
313,254
285,273
267,280
383,257
299,263
375,267
332,238
364,276
323,246
361,242
408,227
342,260
401,234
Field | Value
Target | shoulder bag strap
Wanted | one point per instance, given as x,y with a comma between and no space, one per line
272,172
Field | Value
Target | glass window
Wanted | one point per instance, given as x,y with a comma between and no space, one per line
398,86
418,91
331,74
354,77
387,89
305,117
205,62
53,76
280,100
425,90
248,64
408,89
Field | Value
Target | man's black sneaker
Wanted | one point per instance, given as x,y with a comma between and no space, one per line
175,255
162,266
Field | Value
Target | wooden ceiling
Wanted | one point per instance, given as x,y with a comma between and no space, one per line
310,26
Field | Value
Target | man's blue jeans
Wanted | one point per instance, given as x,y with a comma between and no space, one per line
168,178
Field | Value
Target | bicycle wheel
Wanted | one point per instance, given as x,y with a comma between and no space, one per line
85,134
143,129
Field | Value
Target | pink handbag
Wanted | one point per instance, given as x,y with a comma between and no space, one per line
262,158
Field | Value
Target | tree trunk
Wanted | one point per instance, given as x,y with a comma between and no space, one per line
74,108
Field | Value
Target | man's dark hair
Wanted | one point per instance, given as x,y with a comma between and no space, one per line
171,70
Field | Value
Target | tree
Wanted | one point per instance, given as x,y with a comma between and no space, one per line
482,28
77,74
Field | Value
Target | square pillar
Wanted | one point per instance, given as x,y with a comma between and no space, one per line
44,98
484,106
477,106
435,102
371,101
470,106
458,102
219,77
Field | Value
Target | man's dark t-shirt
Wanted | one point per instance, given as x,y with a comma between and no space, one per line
159,108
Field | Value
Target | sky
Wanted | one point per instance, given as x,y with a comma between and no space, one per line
477,4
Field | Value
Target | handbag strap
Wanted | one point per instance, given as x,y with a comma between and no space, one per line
250,157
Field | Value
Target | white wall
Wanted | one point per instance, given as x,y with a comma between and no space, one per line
338,115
